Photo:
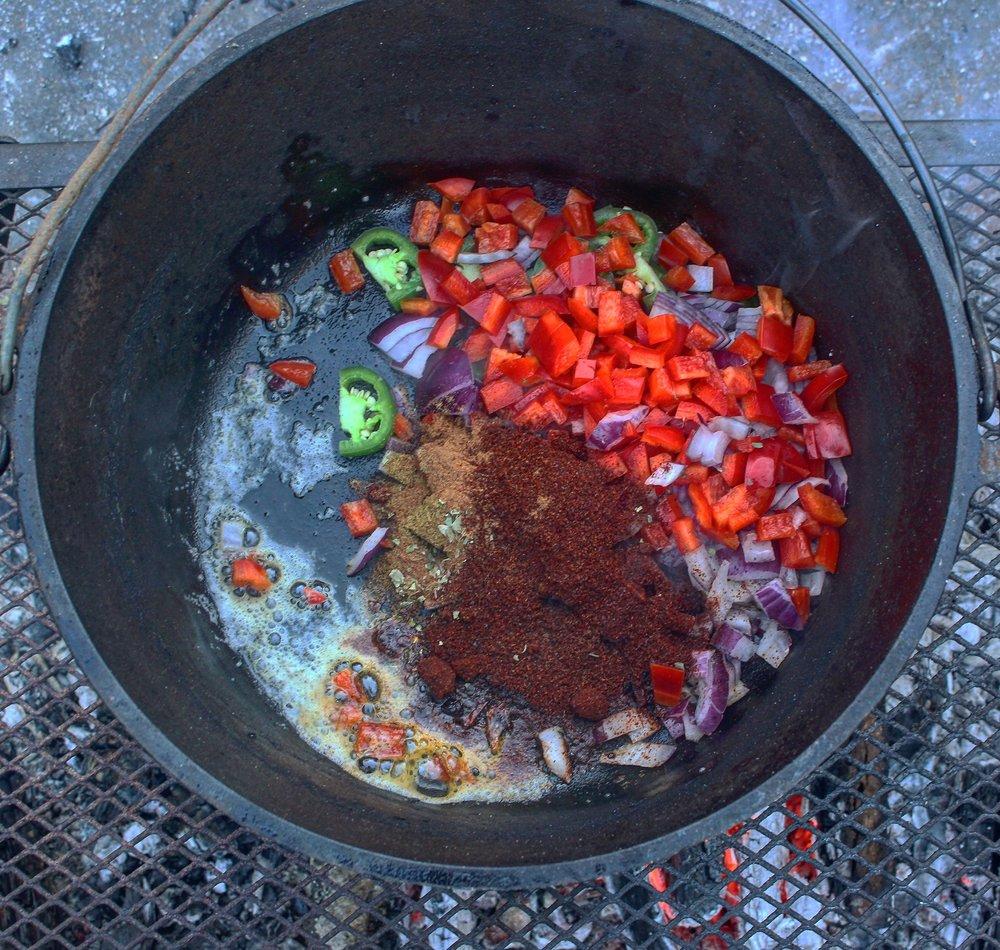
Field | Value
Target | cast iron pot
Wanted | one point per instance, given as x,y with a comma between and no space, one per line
670,107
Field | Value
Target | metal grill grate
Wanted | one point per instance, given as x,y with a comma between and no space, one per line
894,841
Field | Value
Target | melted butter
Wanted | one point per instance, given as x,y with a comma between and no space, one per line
293,651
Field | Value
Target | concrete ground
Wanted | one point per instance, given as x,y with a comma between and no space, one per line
65,65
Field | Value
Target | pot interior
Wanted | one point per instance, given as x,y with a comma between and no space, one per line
270,161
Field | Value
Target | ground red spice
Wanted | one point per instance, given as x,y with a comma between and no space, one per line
555,600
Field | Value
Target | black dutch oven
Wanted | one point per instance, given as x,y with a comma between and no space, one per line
666,106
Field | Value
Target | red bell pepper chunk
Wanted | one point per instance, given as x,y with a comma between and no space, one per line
456,224
736,292
587,340
499,393
477,345
533,416
670,255
796,551
444,330
555,409
537,305
661,390
775,526
747,347
691,243
626,226
713,397
800,597
491,237
489,310
584,371
692,411
612,463
524,370
579,217
664,437
579,271
298,371
823,387
775,337
793,466
799,374
454,189
828,550
447,245
593,390
360,517
511,197
758,406
772,301
380,741
345,271
644,356
734,468
686,538
741,506
688,367
827,437
679,278
720,270
619,254
821,507
250,573
457,287
420,306
424,225
699,337
547,282
585,317
762,465
667,682
636,459
499,213
701,505
655,535
560,249
612,317
578,196
433,271
802,338
554,343
660,328
497,356
474,205
506,277
267,306
628,386
738,380
549,227
528,214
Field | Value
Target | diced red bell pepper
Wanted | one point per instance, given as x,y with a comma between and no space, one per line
454,189
734,468
660,328
692,411
741,506
628,386
774,337
345,271
456,224
507,277
548,228
267,306
758,406
499,393
655,535
701,505
735,292
624,224
555,409
537,305
636,459
792,464
800,597
670,255
584,371
528,214
458,287
511,197
248,572
774,527
433,271
821,507
578,196
668,509
402,428
419,306
796,551
298,371
827,437
720,270
474,205
360,517
612,464
593,390
497,356
554,343
771,301
699,337
582,314
747,347
664,437
587,340
645,356
823,387
489,310
444,329
381,741
802,339
524,370
738,380
347,682
579,217
560,249
668,681
678,278
579,271
447,245
424,225
693,473
611,314
477,345
533,416
799,374
499,213
688,367
762,465
828,550
491,237
661,390
685,535
619,254
691,243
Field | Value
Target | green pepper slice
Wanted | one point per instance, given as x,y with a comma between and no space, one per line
645,272
648,247
391,258
367,411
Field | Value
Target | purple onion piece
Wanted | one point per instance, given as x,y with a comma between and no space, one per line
643,755
666,474
733,643
700,567
667,301
447,384
774,645
392,336
369,548
703,277
791,409
756,552
790,496
776,376
673,718
417,362
734,426
837,476
725,358
610,430
740,570
713,689
777,603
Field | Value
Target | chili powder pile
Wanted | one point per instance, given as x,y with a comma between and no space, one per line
555,600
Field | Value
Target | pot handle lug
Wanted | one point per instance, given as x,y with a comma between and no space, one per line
981,345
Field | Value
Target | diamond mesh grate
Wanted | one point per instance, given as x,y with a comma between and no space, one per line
894,841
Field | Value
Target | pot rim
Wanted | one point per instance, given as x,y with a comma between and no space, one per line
298,838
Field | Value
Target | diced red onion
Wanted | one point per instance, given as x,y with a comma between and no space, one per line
707,446
726,358
448,384
790,495
774,644
666,474
776,602
747,319
799,517
555,752
673,718
713,689
837,475
791,408
737,690
704,278
369,548
489,258
666,301
643,755
814,580
734,426
755,551
518,332
417,363
776,376
741,620
399,336
700,567
741,570
610,430
789,578
623,722
721,595
702,302
733,643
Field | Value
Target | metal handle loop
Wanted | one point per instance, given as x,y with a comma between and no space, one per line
987,369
